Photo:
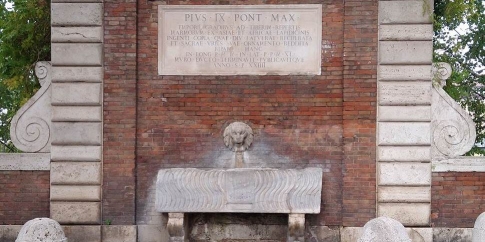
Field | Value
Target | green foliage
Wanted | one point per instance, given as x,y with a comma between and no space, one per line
459,39
24,40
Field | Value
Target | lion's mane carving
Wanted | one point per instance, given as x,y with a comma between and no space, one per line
238,136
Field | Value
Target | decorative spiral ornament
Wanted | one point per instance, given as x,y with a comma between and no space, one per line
42,71
450,138
31,135
441,72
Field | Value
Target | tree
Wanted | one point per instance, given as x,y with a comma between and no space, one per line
24,40
459,39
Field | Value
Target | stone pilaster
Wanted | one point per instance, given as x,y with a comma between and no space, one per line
404,111
77,76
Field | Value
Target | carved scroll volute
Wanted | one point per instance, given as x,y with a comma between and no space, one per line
453,130
30,127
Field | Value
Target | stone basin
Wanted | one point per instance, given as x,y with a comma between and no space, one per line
241,190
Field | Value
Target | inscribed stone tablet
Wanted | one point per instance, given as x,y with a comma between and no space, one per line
240,40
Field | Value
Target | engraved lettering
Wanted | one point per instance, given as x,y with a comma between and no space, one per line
195,17
253,40
220,17
247,17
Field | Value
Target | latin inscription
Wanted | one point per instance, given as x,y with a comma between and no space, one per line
239,40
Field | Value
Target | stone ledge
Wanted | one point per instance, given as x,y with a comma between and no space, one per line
25,162
459,164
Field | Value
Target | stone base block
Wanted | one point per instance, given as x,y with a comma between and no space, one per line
152,233
452,234
9,232
76,212
119,233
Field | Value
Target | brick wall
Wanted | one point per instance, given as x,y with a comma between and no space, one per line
457,198
298,121
119,111
359,112
24,195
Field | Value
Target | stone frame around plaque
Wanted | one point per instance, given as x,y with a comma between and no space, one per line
240,39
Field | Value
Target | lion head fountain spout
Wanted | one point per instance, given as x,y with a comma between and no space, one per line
238,136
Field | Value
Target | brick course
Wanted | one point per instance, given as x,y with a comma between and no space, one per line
359,112
119,112
457,198
24,195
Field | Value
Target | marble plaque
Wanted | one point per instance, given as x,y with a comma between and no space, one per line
240,39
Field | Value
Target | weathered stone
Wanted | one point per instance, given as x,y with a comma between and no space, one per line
9,232
75,193
76,212
76,114
350,234
41,229
479,229
152,233
25,162
404,93
241,53
76,1
452,234
404,113
88,54
76,153
420,234
408,174
404,153
75,173
238,136
83,233
384,229
30,127
324,234
77,34
73,133
76,14
400,133
235,232
296,228
404,73
405,52
76,94
452,127
459,164
403,194
409,214
406,32
408,12
119,233
178,227
77,74
239,190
